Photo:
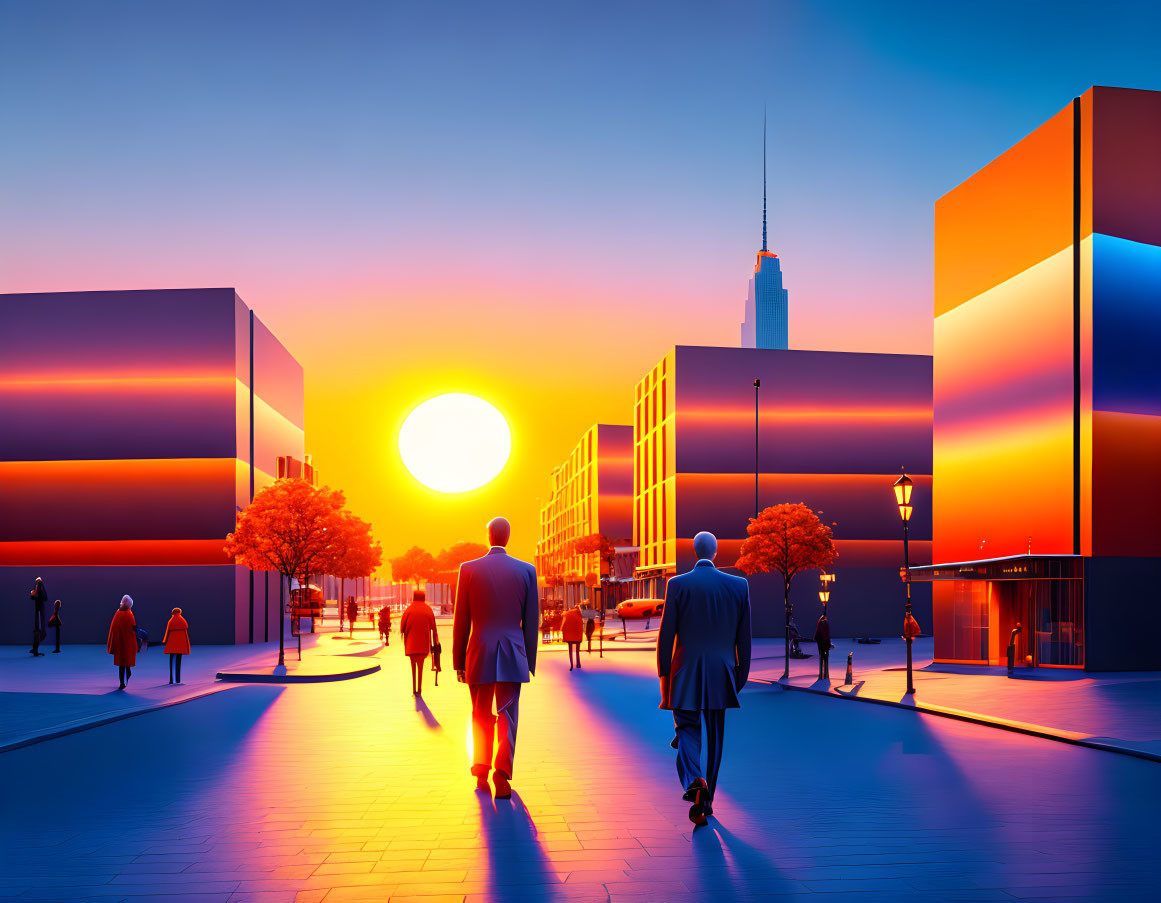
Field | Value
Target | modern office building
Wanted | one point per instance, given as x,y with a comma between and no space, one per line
592,492
1047,454
766,323
134,425
832,430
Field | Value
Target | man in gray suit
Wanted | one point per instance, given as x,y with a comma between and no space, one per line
703,660
494,634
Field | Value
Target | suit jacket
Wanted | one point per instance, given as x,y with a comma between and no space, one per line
822,634
703,647
494,627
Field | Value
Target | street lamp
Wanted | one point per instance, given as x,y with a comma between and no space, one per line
824,582
903,487
757,386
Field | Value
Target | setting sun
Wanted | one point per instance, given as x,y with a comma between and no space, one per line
455,442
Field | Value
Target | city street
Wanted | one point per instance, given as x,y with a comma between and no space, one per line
354,791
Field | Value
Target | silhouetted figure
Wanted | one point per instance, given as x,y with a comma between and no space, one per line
590,627
352,613
54,622
436,652
39,598
494,650
795,641
176,642
385,625
703,660
419,632
572,631
122,642
822,638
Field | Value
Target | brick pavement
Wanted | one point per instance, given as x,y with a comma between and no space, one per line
350,792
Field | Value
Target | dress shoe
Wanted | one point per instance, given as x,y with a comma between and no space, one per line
673,742
482,783
698,792
503,788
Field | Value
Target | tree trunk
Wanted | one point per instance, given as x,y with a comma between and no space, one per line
342,600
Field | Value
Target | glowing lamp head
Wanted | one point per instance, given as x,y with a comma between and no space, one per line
824,582
903,496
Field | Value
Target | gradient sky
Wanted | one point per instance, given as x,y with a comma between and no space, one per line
529,202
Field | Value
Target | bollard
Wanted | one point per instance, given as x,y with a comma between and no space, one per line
850,670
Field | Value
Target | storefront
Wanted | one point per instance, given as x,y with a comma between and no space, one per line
977,605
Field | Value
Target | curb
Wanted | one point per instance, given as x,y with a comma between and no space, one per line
243,678
76,728
1016,727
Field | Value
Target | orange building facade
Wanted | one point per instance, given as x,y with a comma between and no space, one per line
1047,394
592,492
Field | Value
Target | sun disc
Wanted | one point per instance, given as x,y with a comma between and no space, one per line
455,442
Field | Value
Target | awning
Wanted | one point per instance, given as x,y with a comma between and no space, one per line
1013,567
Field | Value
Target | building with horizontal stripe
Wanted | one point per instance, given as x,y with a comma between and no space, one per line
1047,453
828,429
133,426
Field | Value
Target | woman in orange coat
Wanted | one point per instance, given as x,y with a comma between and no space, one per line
176,643
572,631
418,628
122,642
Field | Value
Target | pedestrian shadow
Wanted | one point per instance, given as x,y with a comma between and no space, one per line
822,683
727,866
429,719
517,867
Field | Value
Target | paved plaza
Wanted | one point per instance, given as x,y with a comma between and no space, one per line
355,791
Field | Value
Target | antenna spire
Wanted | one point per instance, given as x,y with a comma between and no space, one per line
764,178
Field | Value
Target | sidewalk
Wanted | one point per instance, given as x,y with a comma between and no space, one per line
55,694
1119,709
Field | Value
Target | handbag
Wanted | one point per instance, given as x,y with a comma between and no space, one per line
142,638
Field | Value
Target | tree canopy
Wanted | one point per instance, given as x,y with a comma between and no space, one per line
291,527
415,565
789,539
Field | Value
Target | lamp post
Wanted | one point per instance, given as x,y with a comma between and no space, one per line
757,386
902,488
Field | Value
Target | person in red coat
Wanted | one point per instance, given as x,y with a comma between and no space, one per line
572,631
122,642
419,631
176,643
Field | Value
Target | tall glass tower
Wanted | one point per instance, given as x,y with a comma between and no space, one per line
766,324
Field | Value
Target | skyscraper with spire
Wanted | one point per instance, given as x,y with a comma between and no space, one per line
766,323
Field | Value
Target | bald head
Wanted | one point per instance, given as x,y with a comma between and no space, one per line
498,531
705,545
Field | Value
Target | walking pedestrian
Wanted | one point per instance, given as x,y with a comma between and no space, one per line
590,628
436,651
494,651
176,642
703,661
572,631
352,613
385,625
39,599
54,621
122,641
419,632
822,638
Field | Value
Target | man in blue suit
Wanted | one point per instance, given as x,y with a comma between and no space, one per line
494,634
703,660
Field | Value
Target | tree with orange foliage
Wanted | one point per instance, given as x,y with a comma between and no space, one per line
290,527
606,548
415,564
788,539
448,561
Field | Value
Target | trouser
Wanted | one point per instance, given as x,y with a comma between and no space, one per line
486,726
823,663
38,619
589,637
687,723
571,647
417,672
124,673
175,667
57,649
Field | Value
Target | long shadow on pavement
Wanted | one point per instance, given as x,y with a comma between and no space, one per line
516,860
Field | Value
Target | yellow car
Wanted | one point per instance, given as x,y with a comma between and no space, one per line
640,608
